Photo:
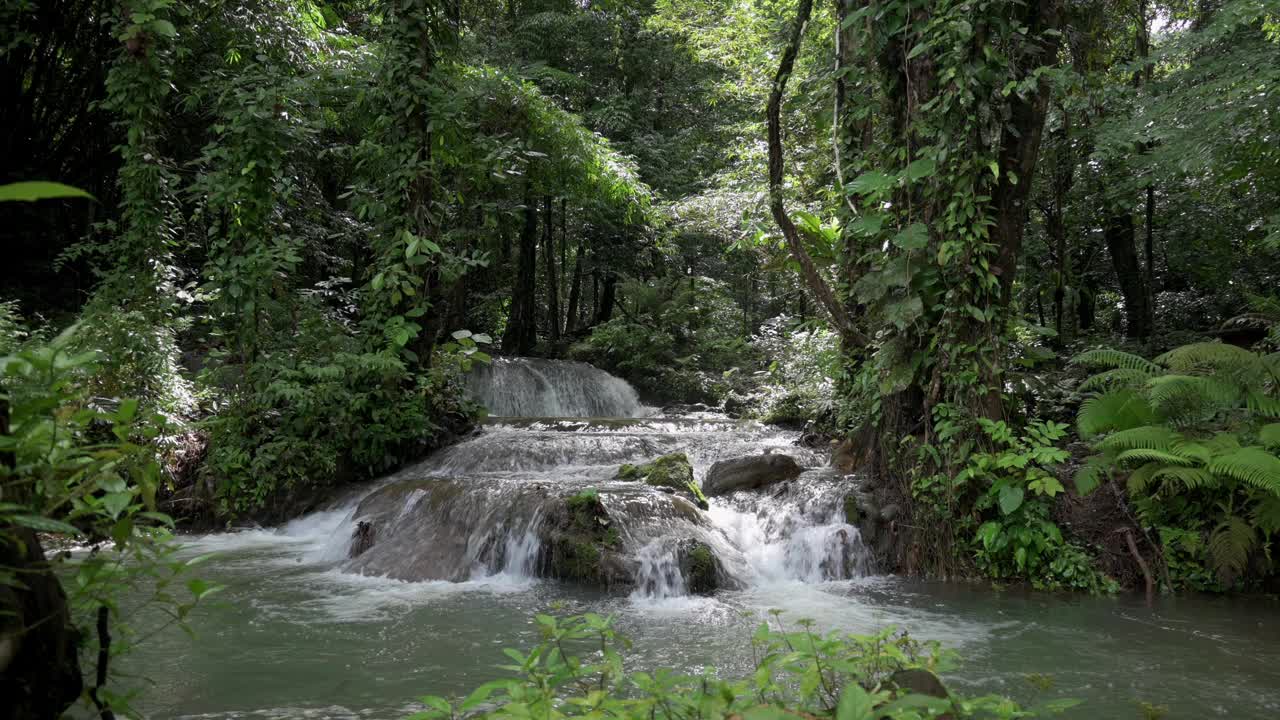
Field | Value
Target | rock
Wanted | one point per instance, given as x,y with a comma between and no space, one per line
889,512
361,538
699,567
922,682
669,473
749,473
852,513
581,543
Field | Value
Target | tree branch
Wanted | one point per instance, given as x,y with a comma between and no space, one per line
817,285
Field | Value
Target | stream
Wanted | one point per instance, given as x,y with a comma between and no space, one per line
458,565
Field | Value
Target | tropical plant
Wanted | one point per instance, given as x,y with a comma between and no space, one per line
798,673
1194,436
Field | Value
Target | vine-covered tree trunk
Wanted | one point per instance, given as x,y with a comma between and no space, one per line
552,281
1118,232
522,333
608,297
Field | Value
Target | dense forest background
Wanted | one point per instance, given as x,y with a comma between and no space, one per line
1017,260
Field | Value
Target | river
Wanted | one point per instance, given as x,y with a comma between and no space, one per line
302,630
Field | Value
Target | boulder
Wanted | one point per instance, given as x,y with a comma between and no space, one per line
669,473
749,473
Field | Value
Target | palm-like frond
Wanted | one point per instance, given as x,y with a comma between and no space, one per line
1116,410
1092,473
1229,547
1250,465
1137,455
1266,514
1264,405
1140,479
1151,437
1115,378
1189,477
1269,435
1208,355
1112,358
1179,395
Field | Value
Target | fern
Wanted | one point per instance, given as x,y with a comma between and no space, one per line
1250,465
1190,478
1091,474
1158,456
1229,547
1214,355
1177,395
1111,358
1150,437
1266,514
1140,479
1116,410
1115,377
1263,405
1269,435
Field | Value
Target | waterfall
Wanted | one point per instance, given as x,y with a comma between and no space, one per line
531,387
658,573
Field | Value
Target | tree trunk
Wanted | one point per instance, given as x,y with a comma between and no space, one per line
575,288
1119,232
521,335
549,262
608,297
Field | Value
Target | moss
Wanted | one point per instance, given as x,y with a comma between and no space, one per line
673,471
852,513
700,569
629,472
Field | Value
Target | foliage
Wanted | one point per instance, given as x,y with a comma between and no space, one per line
1193,436
85,469
798,673
319,411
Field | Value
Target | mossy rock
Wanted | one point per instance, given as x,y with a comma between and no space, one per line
852,513
580,542
669,471
700,568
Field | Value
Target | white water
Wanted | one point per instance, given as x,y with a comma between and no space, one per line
529,387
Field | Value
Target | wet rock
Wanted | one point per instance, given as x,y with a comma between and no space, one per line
922,682
361,538
749,473
669,473
889,512
852,513
699,567
581,544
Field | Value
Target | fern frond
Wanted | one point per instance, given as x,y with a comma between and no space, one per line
1269,435
1111,358
1266,514
1189,477
1208,355
1140,479
1222,442
1151,437
1193,450
1178,394
1113,378
1250,465
1229,547
1159,456
1263,405
1116,410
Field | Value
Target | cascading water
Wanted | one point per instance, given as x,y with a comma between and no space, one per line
530,387
495,503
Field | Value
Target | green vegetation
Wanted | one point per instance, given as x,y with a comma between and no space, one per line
798,673
982,246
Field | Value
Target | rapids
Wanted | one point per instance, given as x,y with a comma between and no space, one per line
459,564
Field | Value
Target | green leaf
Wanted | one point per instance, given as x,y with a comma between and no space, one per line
461,334
867,225
914,237
871,182
43,524
855,704
922,168
1011,498
32,191
163,27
